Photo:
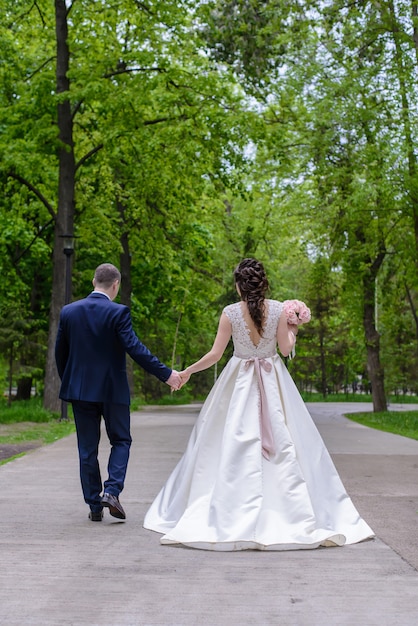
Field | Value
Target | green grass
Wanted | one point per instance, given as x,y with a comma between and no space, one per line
27,422
24,411
403,423
28,432
22,433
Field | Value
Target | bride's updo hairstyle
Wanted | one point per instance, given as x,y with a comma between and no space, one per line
251,280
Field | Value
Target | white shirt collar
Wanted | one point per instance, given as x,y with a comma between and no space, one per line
103,293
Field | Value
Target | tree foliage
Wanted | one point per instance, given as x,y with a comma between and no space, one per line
173,139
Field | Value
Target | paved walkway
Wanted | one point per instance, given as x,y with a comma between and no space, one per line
59,569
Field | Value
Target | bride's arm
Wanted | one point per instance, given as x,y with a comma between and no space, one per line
286,335
210,358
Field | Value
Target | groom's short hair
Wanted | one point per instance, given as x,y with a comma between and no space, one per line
106,274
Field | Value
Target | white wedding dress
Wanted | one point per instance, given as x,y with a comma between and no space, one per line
256,473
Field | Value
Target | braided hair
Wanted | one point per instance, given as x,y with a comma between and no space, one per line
251,280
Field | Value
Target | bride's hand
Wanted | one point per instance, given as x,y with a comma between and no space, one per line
184,377
294,328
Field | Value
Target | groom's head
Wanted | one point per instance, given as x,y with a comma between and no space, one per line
107,279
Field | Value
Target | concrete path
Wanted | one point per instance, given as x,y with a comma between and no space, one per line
59,569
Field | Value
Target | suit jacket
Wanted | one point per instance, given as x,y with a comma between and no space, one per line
94,335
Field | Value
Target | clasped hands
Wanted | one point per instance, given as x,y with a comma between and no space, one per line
178,379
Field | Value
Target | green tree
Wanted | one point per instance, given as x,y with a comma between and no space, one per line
340,98
130,140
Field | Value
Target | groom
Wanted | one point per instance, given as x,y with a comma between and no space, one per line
94,335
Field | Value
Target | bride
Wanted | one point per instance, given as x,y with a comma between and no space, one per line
256,474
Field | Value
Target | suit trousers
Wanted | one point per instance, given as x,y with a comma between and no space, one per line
87,417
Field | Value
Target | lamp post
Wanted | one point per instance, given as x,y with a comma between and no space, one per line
68,250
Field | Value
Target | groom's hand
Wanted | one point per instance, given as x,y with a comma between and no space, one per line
174,381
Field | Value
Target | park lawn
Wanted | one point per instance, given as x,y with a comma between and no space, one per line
34,433
31,432
403,423
27,422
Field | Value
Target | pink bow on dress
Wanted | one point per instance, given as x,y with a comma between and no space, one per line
267,441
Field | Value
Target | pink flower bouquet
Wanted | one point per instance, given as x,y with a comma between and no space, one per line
296,312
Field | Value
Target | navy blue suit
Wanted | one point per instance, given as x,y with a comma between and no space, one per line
94,335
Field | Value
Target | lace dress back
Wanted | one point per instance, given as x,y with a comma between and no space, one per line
244,348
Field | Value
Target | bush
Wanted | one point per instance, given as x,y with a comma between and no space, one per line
24,411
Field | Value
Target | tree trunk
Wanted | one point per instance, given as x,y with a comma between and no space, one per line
125,270
24,388
126,288
413,311
10,376
374,367
324,384
64,223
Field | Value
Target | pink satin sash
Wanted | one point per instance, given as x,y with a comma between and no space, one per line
267,441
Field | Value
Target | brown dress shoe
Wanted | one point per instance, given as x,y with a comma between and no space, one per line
114,506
